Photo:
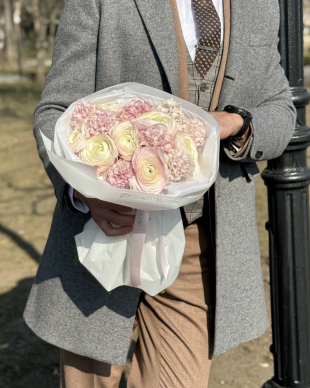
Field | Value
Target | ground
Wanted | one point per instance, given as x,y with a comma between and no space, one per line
26,206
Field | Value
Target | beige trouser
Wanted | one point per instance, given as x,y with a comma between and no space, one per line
176,331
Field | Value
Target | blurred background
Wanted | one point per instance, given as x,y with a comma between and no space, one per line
27,31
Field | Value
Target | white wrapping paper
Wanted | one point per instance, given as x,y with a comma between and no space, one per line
105,257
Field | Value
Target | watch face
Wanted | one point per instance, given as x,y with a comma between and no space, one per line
242,113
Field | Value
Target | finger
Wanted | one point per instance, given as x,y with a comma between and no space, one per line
119,219
120,208
223,135
113,217
108,229
109,205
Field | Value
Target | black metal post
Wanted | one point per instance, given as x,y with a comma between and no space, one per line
287,179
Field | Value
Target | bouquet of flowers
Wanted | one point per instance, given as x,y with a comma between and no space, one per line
143,148
137,146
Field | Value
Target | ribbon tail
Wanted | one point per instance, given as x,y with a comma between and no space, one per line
137,242
163,258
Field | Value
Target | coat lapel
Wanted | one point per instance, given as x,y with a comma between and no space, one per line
158,20
220,77
183,71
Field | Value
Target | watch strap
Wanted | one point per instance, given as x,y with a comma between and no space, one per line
247,119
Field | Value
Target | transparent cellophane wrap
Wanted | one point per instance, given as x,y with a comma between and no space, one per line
108,258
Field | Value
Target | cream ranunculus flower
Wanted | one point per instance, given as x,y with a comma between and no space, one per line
151,175
160,117
125,138
99,151
183,138
114,107
78,138
74,140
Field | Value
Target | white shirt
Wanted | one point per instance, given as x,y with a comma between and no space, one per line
189,23
191,34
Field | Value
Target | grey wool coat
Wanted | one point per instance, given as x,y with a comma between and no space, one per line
104,43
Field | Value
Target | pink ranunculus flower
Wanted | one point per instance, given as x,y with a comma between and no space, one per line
151,175
119,174
134,109
100,151
154,134
101,172
125,138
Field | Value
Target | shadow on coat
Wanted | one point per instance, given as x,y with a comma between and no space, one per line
60,262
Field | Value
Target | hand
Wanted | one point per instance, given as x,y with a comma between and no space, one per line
230,123
105,213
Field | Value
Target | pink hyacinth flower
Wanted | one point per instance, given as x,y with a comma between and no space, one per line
83,112
179,165
120,173
196,130
154,134
134,109
101,123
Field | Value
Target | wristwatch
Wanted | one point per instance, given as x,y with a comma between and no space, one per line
247,119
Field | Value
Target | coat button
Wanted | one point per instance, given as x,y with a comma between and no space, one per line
204,87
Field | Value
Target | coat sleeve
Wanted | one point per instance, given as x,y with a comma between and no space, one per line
273,120
72,76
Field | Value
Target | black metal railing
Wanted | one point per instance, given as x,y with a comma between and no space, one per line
287,179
